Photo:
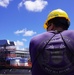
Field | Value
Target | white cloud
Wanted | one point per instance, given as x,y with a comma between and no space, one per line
20,31
25,32
24,40
19,44
4,3
29,33
36,6
20,4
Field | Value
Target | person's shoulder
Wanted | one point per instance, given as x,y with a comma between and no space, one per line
68,33
40,36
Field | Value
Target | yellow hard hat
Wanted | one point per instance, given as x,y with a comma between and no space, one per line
54,14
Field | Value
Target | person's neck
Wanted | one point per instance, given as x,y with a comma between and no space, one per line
58,29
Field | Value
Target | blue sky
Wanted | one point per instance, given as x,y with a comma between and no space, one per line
20,20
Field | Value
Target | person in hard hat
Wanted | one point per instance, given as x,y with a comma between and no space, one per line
57,20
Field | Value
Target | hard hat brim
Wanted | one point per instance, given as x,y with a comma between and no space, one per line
46,23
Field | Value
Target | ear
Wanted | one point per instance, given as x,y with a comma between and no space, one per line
51,27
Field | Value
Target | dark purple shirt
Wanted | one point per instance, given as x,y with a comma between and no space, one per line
36,40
